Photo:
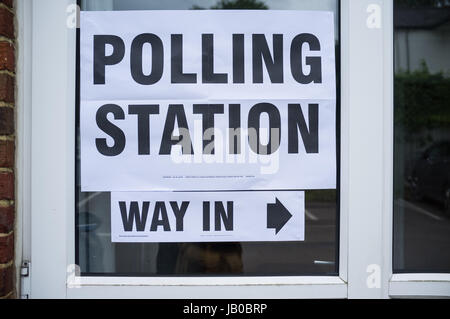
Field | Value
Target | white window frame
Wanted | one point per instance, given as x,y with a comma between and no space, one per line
46,172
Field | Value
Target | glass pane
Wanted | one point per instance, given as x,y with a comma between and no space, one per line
422,136
317,255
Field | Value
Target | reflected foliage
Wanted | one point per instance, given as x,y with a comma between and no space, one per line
422,3
422,100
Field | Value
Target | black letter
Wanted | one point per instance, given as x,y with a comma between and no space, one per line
157,59
208,111
261,51
315,75
143,114
221,215
254,116
234,134
238,58
297,120
208,75
110,129
100,58
164,221
127,219
176,113
177,62
206,217
179,213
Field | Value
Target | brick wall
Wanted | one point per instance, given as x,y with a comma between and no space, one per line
7,146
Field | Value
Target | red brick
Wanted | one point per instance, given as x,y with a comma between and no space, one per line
6,23
6,280
7,58
6,121
6,88
6,248
7,186
7,154
7,216
8,3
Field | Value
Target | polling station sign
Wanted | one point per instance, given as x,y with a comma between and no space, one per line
207,216
207,100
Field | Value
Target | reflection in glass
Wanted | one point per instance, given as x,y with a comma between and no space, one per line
422,136
317,255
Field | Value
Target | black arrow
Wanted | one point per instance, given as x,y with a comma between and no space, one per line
277,216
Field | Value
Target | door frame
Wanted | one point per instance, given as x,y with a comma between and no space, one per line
46,189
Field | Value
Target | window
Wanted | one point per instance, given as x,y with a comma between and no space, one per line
422,137
353,222
317,255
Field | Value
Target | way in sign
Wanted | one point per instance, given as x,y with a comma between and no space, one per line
207,216
136,217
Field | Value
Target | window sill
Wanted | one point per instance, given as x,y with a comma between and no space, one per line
419,285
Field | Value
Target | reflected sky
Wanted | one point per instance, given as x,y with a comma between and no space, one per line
321,5
329,5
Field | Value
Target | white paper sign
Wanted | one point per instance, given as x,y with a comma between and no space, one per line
207,100
207,216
